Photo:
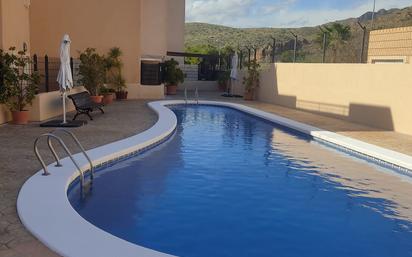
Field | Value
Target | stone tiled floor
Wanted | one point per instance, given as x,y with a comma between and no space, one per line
17,162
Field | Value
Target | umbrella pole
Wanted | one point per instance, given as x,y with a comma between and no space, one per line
64,108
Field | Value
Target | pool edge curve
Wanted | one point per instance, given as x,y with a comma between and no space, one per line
44,209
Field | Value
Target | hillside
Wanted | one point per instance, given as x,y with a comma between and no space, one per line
197,34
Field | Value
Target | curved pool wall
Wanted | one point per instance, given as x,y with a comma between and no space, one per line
45,210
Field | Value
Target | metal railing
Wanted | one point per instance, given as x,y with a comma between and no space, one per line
52,135
196,95
48,69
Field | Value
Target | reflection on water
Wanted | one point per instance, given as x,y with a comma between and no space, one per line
229,184
357,177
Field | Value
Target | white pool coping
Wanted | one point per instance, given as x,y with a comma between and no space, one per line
46,212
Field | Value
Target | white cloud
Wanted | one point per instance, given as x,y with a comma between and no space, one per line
276,7
218,11
248,13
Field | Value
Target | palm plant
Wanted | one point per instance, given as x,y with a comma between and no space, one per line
337,35
114,67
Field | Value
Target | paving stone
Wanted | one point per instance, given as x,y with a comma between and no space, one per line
18,163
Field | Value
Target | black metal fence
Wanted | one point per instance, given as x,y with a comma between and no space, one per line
48,69
1,77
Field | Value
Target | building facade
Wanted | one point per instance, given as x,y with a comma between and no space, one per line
390,46
141,28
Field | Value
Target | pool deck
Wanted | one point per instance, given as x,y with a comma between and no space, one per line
18,163
387,139
123,119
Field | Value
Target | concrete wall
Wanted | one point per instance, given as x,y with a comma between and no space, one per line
48,105
176,25
14,22
162,30
5,115
153,26
202,86
100,24
390,45
1,24
374,95
162,26
14,31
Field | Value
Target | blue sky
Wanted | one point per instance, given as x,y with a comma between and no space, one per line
281,13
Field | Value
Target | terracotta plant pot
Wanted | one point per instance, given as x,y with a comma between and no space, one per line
108,98
171,89
20,117
97,98
249,95
121,95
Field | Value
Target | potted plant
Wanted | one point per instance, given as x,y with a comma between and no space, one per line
114,76
173,76
19,85
92,73
108,95
251,81
119,84
222,80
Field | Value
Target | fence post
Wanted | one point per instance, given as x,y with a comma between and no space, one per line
46,72
324,47
273,50
240,60
364,29
249,58
71,65
1,75
35,67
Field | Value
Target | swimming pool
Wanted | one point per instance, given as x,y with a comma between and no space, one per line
230,184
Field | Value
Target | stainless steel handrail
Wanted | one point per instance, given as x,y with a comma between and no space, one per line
56,157
76,140
63,145
197,94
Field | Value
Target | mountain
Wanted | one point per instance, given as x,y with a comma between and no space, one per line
201,34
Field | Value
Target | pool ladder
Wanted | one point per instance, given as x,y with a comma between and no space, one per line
196,95
53,135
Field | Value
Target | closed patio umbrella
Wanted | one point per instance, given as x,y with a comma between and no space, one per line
65,80
65,77
233,74
233,71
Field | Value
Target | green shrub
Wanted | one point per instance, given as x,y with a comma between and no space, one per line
92,70
20,85
173,74
223,78
252,79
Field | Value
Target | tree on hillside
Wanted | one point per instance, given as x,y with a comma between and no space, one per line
199,49
337,35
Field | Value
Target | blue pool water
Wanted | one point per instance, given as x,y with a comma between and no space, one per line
229,184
